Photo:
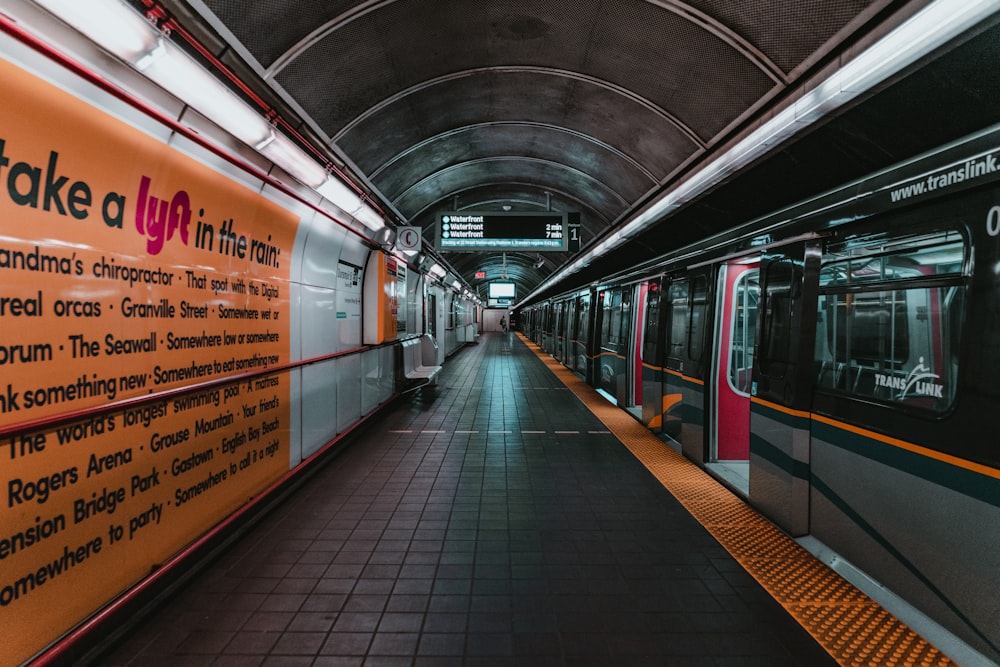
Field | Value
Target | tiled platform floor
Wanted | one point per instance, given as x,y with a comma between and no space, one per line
491,521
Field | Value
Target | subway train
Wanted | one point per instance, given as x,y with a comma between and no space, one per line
836,363
186,328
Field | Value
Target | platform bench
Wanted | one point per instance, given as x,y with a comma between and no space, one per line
419,355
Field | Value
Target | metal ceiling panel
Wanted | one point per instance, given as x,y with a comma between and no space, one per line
512,171
271,28
545,143
607,115
587,105
656,54
788,32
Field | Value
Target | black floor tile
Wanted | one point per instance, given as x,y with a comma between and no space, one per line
492,520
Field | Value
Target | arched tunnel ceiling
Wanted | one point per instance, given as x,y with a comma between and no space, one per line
590,106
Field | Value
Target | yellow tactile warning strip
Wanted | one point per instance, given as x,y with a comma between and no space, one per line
853,628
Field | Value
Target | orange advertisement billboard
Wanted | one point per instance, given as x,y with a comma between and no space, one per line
128,270
381,301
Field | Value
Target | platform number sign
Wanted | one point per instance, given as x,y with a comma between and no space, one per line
573,229
574,238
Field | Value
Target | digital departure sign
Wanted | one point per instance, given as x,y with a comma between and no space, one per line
501,290
469,231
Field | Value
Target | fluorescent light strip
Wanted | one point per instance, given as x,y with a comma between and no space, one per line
925,31
350,202
119,29
128,35
284,153
125,33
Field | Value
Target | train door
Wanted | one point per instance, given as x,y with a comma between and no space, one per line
781,386
651,358
566,331
612,334
562,313
686,324
608,301
558,328
729,448
634,343
581,336
543,323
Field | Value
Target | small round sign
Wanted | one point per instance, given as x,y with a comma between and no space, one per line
408,238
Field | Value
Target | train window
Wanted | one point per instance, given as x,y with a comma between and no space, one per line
608,317
582,321
582,332
889,321
923,256
746,292
618,311
677,319
868,327
777,335
610,336
626,319
650,333
699,316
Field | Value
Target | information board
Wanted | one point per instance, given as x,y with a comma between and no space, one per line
470,231
501,289
131,274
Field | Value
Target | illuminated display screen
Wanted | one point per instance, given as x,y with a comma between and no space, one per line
501,290
470,231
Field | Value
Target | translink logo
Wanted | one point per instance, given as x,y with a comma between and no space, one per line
974,168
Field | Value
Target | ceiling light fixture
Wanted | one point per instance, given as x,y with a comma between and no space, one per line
925,31
350,202
122,31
